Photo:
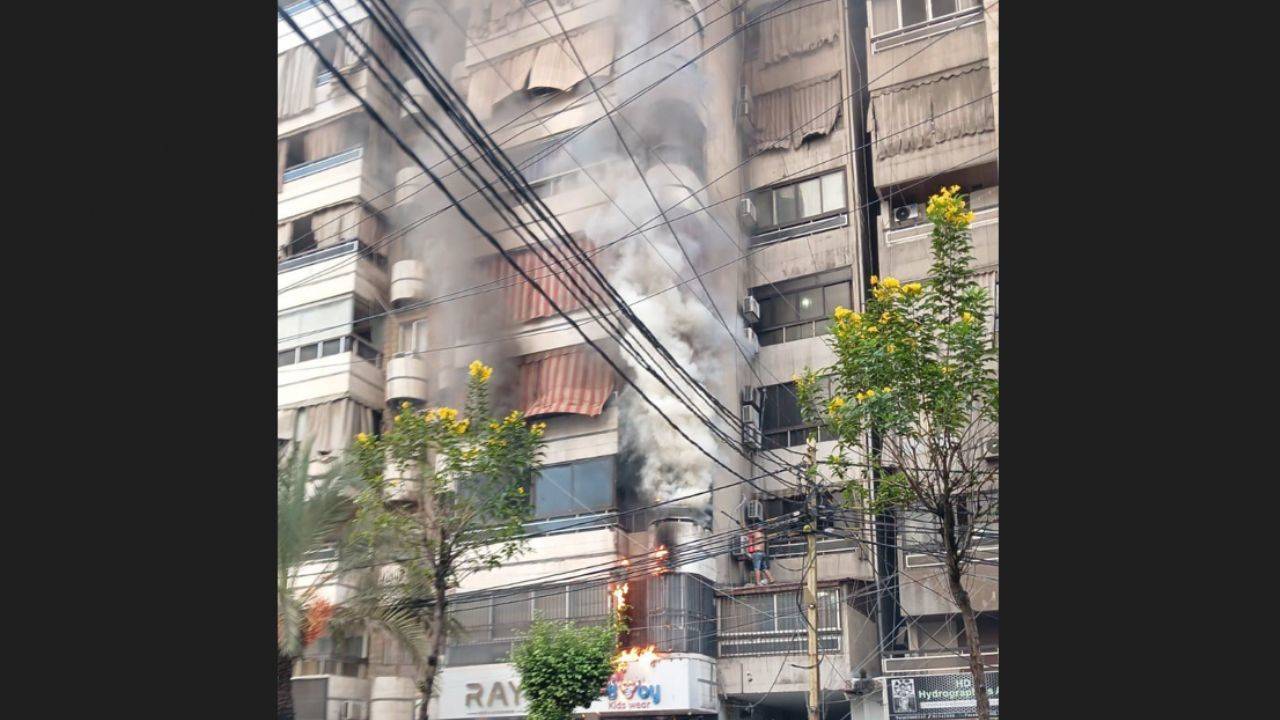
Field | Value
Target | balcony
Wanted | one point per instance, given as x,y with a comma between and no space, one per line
342,177
408,282
905,250
937,660
406,380
342,366
347,268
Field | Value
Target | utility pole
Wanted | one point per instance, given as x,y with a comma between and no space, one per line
811,573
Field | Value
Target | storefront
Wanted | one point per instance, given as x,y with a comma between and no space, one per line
937,697
675,684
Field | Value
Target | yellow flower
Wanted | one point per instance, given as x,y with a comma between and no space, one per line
520,490
968,317
872,329
946,369
912,288
513,418
871,392
362,438
462,426
888,389
890,348
860,396
447,414
874,280
842,312
479,370
836,403
494,426
890,282
884,317
405,405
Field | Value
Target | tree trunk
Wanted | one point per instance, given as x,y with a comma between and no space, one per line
284,686
435,646
961,598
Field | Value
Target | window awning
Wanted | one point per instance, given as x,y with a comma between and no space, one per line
566,380
794,31
784,118
522,301
931,110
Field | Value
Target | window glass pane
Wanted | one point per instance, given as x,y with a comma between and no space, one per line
784,310
800,332
943,7
764,208
884,16
406,337
775,441
912,12
788,408
768,312
833,192
308,352
420,336
771,337
809,304
786,204
284,357
552,492
835,296
593,483
331,347
769,413
810,196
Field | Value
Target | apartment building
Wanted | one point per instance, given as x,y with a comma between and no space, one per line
932,121
753,121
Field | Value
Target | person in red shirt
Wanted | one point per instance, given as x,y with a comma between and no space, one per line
759,556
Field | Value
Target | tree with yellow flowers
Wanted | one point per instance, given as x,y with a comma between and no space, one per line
445,495
916,371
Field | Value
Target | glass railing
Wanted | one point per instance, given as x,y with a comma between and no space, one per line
315,166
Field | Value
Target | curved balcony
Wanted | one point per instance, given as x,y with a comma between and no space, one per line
406,380
409,181
408,282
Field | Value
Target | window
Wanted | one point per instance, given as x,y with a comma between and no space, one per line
887,15
780,419
773,623
303,240
801,308
413,337
489,625
799,202
575,488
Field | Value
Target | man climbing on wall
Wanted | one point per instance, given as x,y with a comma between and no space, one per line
758,552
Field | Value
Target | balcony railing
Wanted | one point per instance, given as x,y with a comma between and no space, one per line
314,256
805,228
934,659
315,166
926,29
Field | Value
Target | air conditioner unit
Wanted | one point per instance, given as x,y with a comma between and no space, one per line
744,100
751,427
906,214
750,396
752,342
352,710
750,310
747,213
991,449
754,511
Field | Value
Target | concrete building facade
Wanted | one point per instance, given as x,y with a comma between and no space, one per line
734,169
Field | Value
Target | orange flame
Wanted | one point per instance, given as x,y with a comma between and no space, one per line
619,593
636,655
661,555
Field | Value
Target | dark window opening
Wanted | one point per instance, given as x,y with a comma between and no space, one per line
780,419
801,308
303,240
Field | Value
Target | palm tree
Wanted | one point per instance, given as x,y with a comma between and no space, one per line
309,514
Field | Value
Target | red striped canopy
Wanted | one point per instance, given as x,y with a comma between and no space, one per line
566,380
522,301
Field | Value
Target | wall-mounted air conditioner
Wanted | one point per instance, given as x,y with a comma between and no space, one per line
906,215
752,342
747,213
750,396
754,511
751,427
751,310
991,449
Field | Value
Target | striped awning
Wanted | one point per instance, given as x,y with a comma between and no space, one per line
524,303
566,380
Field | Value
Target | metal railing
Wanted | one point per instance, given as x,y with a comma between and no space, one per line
345,247
316,166
330,347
